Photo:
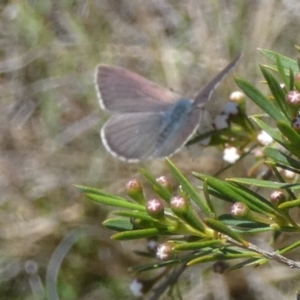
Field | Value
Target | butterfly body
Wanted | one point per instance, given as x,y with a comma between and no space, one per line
148,120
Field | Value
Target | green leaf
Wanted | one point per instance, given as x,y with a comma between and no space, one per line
282,159
238,193
274,133
245,263
286,62
138,234
157,265
136,214
258,98
189,189
276,90
220,256
256,200
281,71
115,201
198,245
118,224
90,190
265,183
221,227
230,220
292,80
291,134
163,192
278,136
289,204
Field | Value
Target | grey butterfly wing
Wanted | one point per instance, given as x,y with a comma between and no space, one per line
208,89
175,140
120,90
132,136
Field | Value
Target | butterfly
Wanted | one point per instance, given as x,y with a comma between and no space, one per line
148,121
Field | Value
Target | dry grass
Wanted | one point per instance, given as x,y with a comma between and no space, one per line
50,119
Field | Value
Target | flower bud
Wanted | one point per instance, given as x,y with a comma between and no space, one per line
135,191
293,98
163,180
237,96
231,155
155,208
179,204
165,251
277,197
182,209
289,174
240,210
264,138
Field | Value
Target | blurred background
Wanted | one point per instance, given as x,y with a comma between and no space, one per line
50,122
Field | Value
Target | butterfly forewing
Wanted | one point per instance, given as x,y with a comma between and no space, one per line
120,90
208,89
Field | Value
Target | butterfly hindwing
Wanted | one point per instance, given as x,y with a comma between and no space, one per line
132,136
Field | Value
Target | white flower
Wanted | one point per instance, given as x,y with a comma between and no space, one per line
136,288
264,138
237,96
231,108
231,155
221,121
289,174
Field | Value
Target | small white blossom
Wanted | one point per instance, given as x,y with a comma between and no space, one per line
221,121
264,138
289,174
163,251
231,108
237,96
152,245
136,288
231,155
282,85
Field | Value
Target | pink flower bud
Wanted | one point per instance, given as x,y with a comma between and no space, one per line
293,98
135,191
163,180
277,197
239,209
155,208
178,204
165,251
237,96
